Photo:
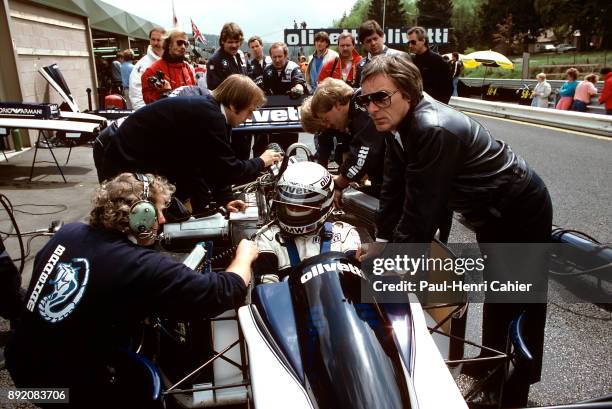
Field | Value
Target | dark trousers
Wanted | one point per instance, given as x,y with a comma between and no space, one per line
525,221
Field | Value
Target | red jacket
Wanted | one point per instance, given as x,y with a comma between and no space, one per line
606,92
178,74
326,71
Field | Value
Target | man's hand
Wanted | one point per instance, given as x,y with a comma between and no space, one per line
297,90
369,250
164,86
246,253
236,206
340,182
270,156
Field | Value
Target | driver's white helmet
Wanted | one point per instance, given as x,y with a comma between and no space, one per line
304,198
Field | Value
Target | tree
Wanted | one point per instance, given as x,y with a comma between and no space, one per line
591,18
524,18
465,25
434,13
395,15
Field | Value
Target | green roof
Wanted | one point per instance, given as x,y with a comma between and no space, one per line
104,17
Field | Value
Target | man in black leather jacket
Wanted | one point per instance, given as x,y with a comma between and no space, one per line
437,158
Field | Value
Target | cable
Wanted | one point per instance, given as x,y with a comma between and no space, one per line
15,210
8,206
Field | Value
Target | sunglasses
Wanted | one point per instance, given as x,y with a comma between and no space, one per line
412,42
182,42
381,99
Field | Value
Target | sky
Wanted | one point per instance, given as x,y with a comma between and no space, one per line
265,18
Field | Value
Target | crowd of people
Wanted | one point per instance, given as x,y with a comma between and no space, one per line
386,113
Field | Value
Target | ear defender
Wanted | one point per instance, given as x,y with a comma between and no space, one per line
143,214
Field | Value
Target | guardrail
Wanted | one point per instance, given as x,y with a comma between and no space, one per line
577,121
516,83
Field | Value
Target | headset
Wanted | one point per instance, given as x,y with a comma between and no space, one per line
143,214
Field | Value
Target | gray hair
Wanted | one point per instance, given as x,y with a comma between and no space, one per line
402,72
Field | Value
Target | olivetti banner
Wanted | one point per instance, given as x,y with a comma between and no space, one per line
393,36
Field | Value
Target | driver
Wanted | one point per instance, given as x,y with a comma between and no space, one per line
93,283
303,202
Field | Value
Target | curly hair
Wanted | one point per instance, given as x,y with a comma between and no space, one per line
113,199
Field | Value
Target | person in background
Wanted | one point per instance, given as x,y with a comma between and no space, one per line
176,71
584,92
344,66
372,40
568,89
256,69
318,59
154,53
606,92
283,77
456,68
116,73
228,60
126,70
437,79
303,62
541,92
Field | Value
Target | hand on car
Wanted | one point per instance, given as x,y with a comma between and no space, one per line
236,206
271,156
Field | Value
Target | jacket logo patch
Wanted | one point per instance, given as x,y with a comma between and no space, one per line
67,288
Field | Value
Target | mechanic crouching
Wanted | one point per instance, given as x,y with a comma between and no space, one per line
187,140
92,284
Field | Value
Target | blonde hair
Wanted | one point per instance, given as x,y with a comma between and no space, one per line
309,120
239,92
113,199
329,92
541,75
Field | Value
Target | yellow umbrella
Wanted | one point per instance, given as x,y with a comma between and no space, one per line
467,62
491,59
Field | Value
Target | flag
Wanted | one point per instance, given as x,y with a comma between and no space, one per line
197,34
174,19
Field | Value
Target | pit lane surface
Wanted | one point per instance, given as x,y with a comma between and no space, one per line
577,170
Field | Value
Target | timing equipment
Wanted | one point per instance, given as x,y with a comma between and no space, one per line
143,214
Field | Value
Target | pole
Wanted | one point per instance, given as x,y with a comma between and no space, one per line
384,14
